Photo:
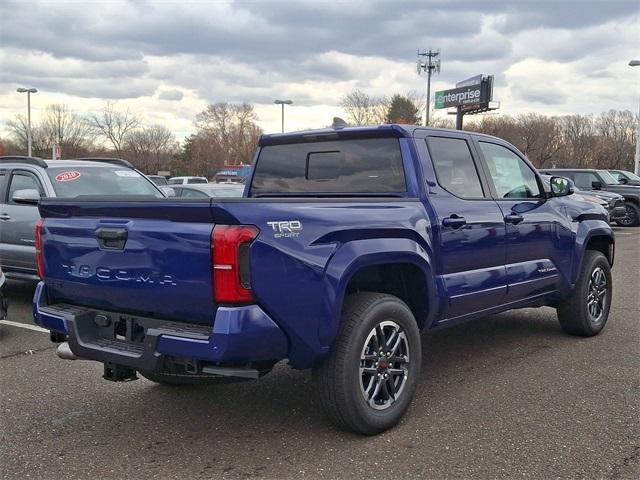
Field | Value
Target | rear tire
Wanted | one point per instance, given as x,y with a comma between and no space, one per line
367,382
585,312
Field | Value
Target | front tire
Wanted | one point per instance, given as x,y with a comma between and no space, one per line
367,382
586,311
632,219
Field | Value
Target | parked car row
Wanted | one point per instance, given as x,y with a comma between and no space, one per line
598,181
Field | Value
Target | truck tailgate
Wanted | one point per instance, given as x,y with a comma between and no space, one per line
150,258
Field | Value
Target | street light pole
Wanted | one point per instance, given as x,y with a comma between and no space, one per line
28,91
282,103
636,166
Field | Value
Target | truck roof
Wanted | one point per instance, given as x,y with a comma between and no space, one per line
77,162
369,131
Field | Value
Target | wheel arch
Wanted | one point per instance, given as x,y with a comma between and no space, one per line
597,237
370,265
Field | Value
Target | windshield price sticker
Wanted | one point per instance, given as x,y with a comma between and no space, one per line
67,176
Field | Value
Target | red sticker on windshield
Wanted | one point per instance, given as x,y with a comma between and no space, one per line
67,176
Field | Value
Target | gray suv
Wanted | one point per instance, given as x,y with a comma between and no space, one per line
24,180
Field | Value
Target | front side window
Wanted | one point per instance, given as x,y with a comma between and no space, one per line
511,176
617,175
23,181
607,178
371,165
454,167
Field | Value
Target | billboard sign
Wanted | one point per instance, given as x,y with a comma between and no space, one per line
479,93
475,80
456,97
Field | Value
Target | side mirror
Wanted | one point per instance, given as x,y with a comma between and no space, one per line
596,185
168,191
560,187
28,196
623,181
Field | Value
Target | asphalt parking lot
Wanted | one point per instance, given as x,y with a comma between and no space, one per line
509,397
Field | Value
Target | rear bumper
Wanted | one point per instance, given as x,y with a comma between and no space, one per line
239,336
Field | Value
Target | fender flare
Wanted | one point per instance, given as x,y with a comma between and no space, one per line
354,256
594,228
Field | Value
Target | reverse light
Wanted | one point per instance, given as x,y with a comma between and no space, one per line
231,273
39,260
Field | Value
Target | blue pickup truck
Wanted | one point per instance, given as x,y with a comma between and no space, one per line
347,244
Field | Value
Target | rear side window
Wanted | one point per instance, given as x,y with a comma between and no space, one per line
197,180
343,166
454,167
71,182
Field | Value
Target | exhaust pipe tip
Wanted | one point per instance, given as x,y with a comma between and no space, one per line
64,351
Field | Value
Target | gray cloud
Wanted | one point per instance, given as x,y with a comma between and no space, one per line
248,50
174,95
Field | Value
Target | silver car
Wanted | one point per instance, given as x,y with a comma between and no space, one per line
24,181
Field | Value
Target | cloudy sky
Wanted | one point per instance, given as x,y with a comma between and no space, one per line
167,60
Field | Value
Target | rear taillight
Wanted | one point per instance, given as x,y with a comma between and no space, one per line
231,270
39,261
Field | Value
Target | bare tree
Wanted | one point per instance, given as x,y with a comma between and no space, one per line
364,109
580,141
61,126
616,130
114,126
151,149
18,130
539,137
231,132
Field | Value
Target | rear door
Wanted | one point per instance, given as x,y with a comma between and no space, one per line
538,230
17,243
470,230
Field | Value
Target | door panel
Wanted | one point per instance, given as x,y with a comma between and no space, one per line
470,232
538,232
17,242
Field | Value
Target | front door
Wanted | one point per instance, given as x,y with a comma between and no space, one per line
470,230
17,222
538,233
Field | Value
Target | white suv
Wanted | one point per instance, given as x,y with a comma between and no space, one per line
187,180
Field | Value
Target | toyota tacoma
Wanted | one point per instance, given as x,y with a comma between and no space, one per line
347,244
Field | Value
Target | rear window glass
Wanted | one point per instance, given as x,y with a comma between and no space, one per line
342,166
197,180
70,182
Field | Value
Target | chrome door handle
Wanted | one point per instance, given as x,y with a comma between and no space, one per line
5,216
